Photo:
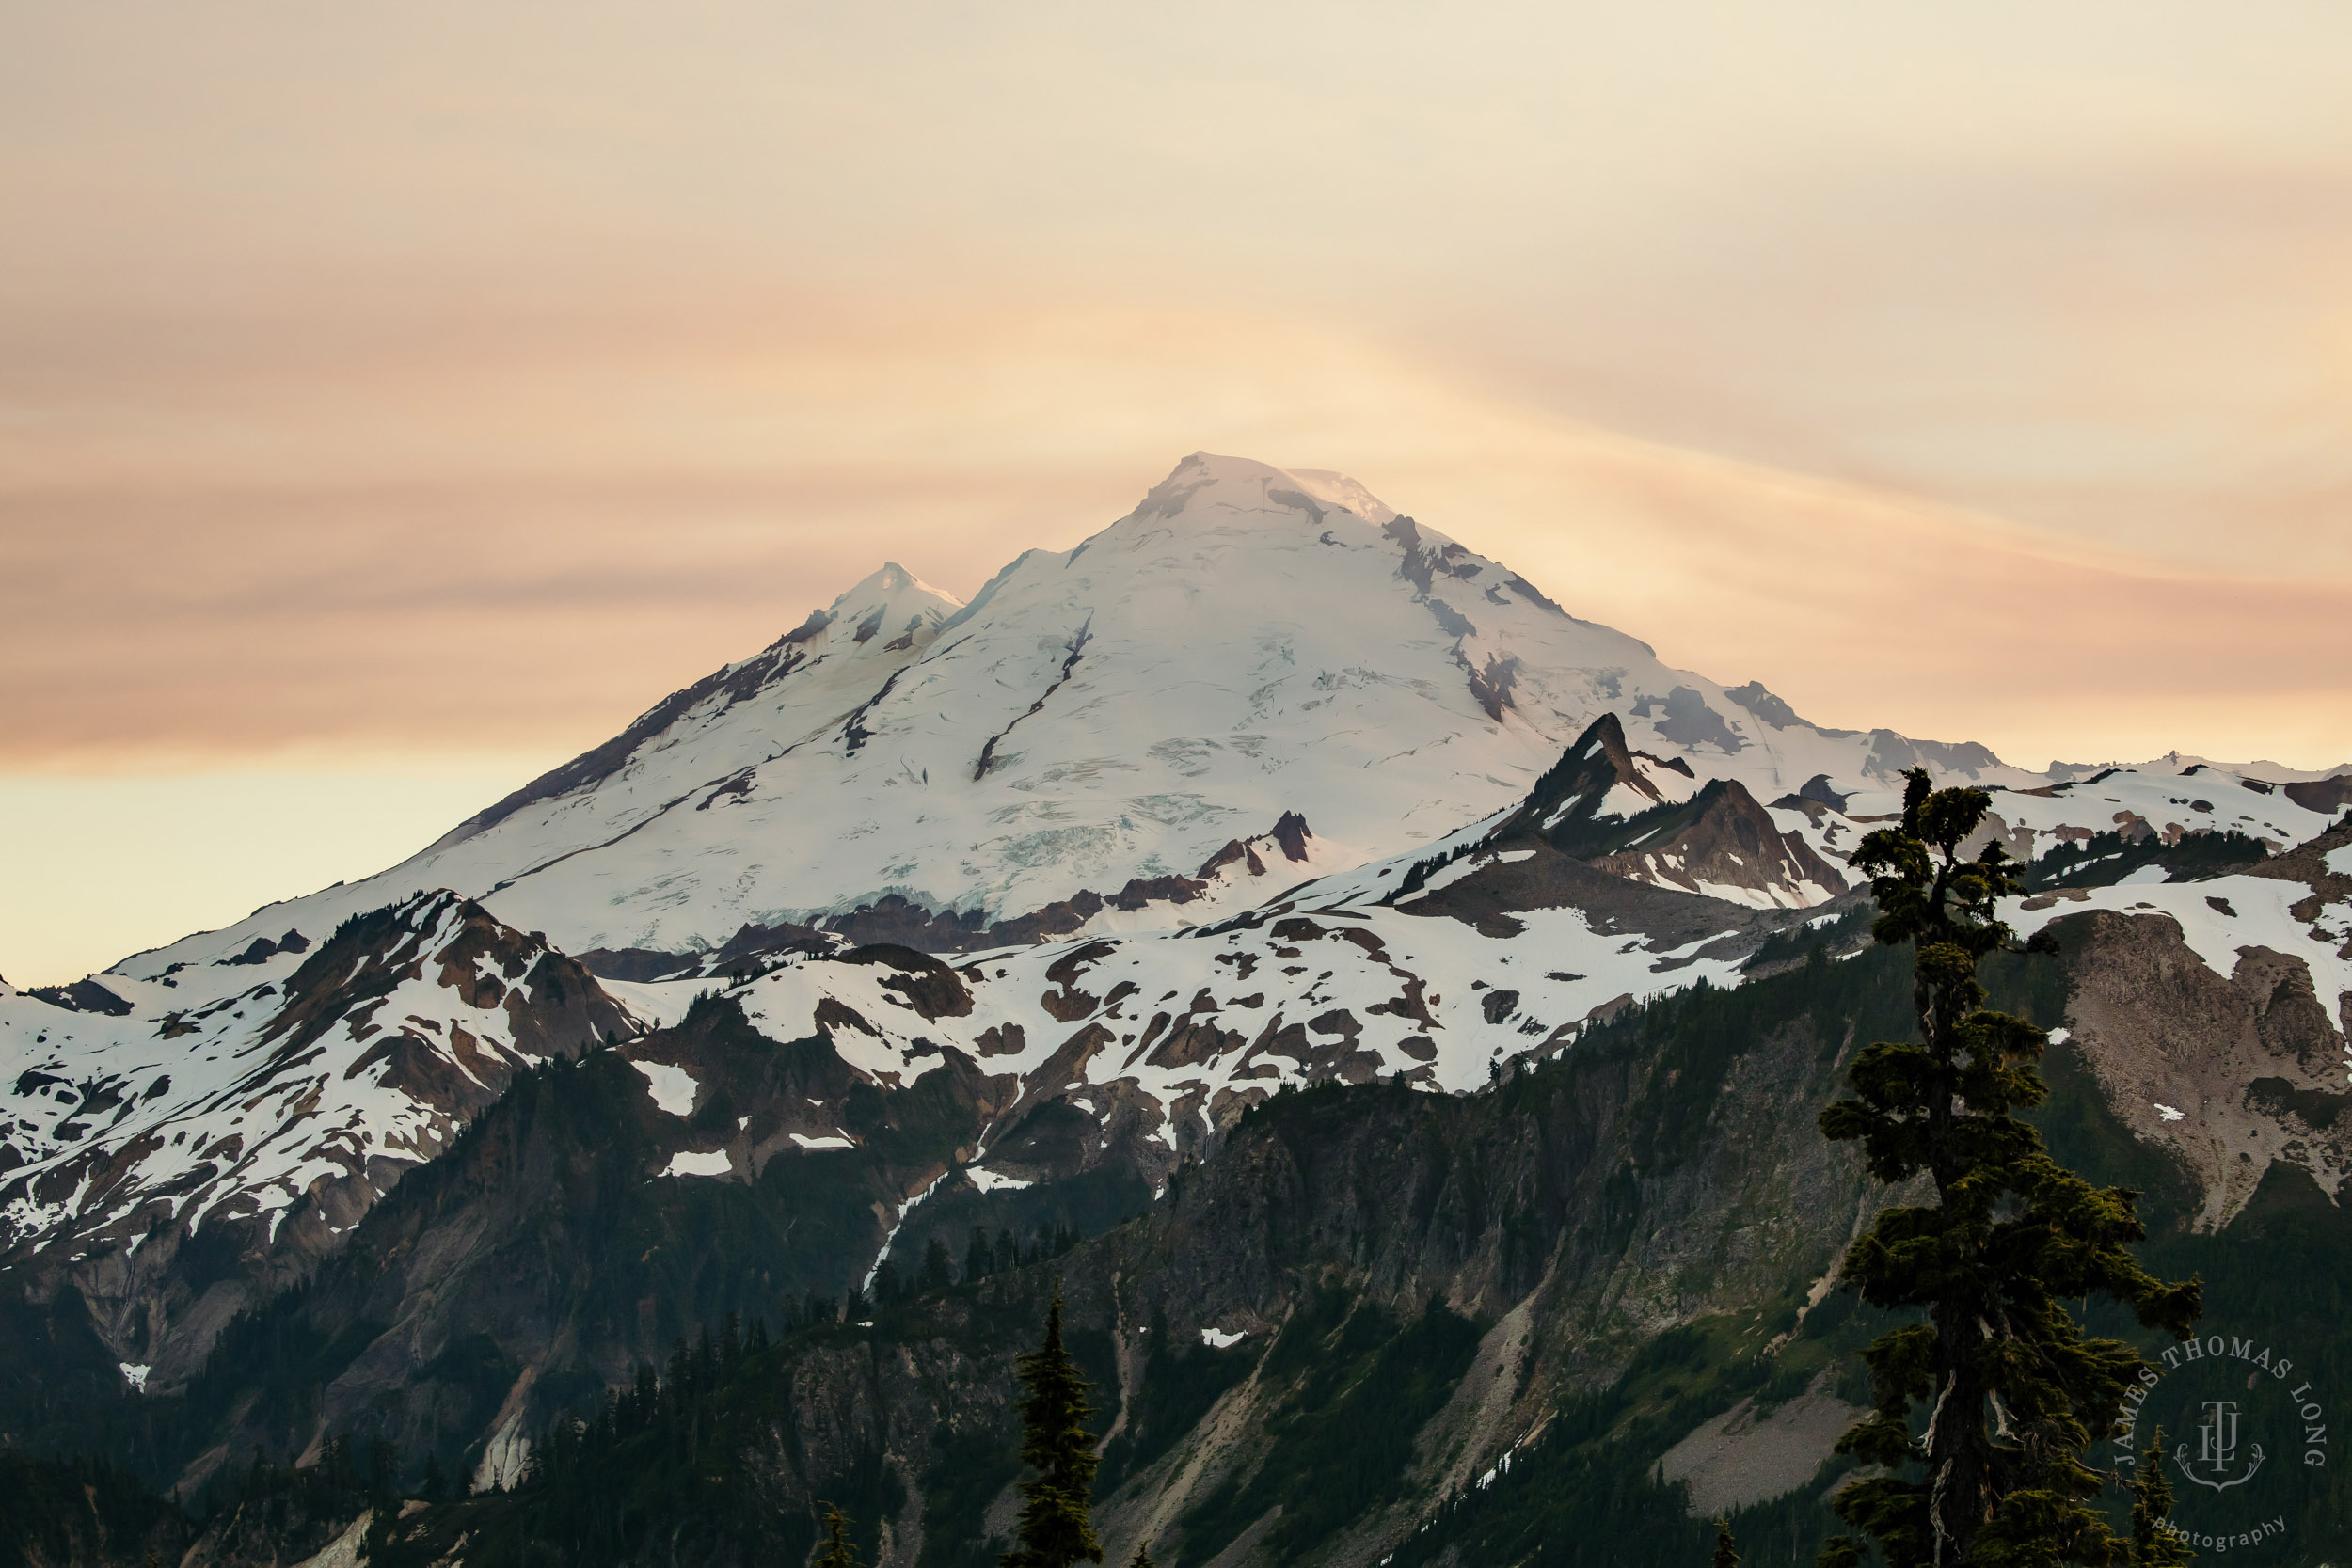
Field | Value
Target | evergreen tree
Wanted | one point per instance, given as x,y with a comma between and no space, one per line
1054,1531
837,1551
938,1273
1727,1549
1142,1558
979,1261
2153,1545
1996,1478
383,1471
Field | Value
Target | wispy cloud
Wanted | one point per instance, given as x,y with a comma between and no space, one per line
448,384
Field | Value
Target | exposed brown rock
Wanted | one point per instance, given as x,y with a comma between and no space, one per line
1729,841
930,986
2251,1061
1292,834
2331,795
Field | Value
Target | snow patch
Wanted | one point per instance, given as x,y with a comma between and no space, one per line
992,1181
1446,876
688,1163
504,1458
1216,1339
673,1087
904,1209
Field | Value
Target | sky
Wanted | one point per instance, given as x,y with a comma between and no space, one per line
395,401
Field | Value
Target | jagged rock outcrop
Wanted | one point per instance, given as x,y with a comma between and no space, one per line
181,1171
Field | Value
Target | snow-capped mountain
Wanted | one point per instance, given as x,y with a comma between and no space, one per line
931,904
1432,972
1248,641
271,1096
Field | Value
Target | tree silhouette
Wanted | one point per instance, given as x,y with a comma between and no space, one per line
1727,1549
2153,1545
837,1551
1055,1530
938,1273
1996,1478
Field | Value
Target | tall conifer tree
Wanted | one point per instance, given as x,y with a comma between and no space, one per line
2153,1545
2014,1391
1055,1531
838,1553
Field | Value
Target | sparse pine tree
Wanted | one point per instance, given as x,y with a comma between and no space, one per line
2154,1543
838,1553
1727,1549
1142,1558
1055,1531
2006,1237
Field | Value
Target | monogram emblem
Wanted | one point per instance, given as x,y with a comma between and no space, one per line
2216,1462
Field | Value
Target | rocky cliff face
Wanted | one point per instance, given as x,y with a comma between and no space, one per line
2218,1027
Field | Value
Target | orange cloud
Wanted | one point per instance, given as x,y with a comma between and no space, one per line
595,517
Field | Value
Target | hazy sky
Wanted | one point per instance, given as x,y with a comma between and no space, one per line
395,401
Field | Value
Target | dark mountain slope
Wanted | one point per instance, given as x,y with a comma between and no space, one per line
1486,1255
1374,1309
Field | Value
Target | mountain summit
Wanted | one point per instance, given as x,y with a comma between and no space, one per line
1248,641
